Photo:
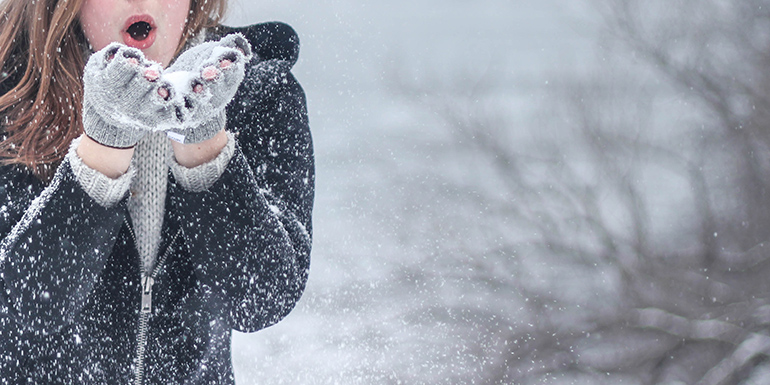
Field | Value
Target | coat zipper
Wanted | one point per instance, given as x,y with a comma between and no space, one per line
147,281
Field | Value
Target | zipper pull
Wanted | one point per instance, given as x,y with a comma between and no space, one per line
147,283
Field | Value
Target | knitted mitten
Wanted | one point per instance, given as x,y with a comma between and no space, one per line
205,78
124,97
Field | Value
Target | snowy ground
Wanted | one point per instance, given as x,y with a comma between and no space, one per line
363,318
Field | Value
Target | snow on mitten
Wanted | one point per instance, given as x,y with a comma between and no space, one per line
124,97
205,78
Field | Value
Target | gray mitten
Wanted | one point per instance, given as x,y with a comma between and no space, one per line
205,78
124,97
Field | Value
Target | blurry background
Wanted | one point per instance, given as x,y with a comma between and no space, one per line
530,192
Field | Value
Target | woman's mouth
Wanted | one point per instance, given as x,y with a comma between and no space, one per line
139,31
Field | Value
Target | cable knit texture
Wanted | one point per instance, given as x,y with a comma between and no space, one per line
148,181
148,194
106,191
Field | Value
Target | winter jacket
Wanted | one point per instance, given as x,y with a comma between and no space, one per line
75,305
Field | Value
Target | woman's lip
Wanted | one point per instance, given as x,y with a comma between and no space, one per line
140,44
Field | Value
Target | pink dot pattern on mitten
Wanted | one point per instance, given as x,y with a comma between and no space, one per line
163,92
210,73
151,74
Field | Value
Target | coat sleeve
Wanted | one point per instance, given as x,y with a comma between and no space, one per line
249,234
55,240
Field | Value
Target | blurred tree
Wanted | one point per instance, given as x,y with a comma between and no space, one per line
624,236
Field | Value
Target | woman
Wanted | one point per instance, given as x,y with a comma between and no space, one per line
128,257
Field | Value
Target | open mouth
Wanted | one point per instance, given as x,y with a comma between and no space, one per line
139,31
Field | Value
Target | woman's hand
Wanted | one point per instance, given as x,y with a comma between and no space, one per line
110,161
205,79
195,154
124,97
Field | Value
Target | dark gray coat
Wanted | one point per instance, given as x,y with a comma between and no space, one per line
233,257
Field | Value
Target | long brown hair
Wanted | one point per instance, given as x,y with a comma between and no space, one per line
43,52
